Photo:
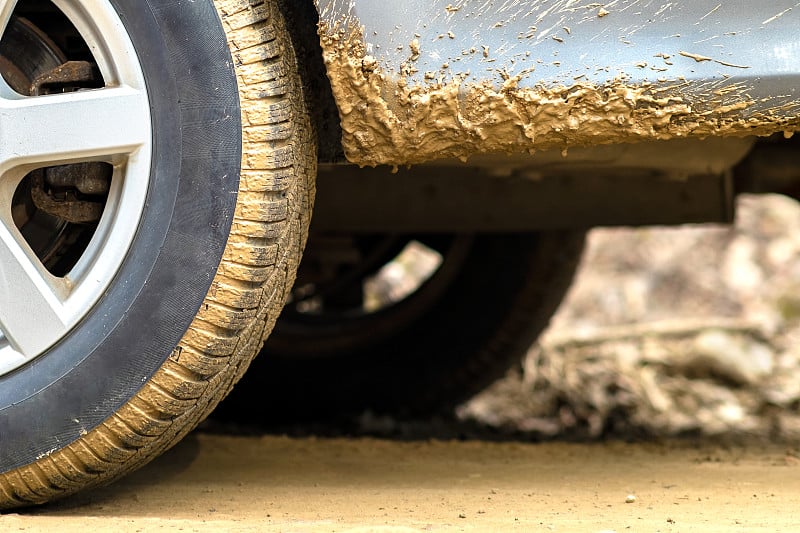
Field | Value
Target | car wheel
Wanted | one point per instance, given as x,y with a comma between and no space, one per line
156,161
405,325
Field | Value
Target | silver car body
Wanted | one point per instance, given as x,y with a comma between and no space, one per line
420,80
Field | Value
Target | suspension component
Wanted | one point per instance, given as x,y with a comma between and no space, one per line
67,77
61,191
74,192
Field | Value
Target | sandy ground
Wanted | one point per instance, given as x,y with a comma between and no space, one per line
223,483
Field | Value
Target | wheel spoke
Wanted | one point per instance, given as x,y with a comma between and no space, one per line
6,91
6,8
60,128
31,315
110,124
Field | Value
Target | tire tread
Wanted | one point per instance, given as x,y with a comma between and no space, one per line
257,269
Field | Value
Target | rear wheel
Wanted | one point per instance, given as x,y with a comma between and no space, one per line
405,324
155,179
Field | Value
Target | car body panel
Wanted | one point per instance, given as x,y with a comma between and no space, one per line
420,80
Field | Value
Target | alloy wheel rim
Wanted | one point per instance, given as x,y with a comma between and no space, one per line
110,124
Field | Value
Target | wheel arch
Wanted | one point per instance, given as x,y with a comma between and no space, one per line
302,20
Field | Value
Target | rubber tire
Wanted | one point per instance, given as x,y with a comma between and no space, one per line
209,269
484,322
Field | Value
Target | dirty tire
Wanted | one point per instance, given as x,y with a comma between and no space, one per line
137,391
426,355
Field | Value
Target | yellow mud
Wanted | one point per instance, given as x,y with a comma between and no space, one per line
388,119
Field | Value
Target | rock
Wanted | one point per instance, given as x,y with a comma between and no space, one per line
740,270
736,357
608,366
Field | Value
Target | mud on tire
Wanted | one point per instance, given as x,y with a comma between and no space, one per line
208,269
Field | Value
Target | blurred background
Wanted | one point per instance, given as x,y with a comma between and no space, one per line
665,332
668,332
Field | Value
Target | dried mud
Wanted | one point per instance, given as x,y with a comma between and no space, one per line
389,119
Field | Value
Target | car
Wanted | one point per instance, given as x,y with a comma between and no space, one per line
161,162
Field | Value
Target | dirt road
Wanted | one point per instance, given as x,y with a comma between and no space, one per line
220,483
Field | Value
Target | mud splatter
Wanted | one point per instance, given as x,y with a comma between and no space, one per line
701,58
776,17
394,121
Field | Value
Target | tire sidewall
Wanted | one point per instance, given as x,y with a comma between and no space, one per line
105,360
